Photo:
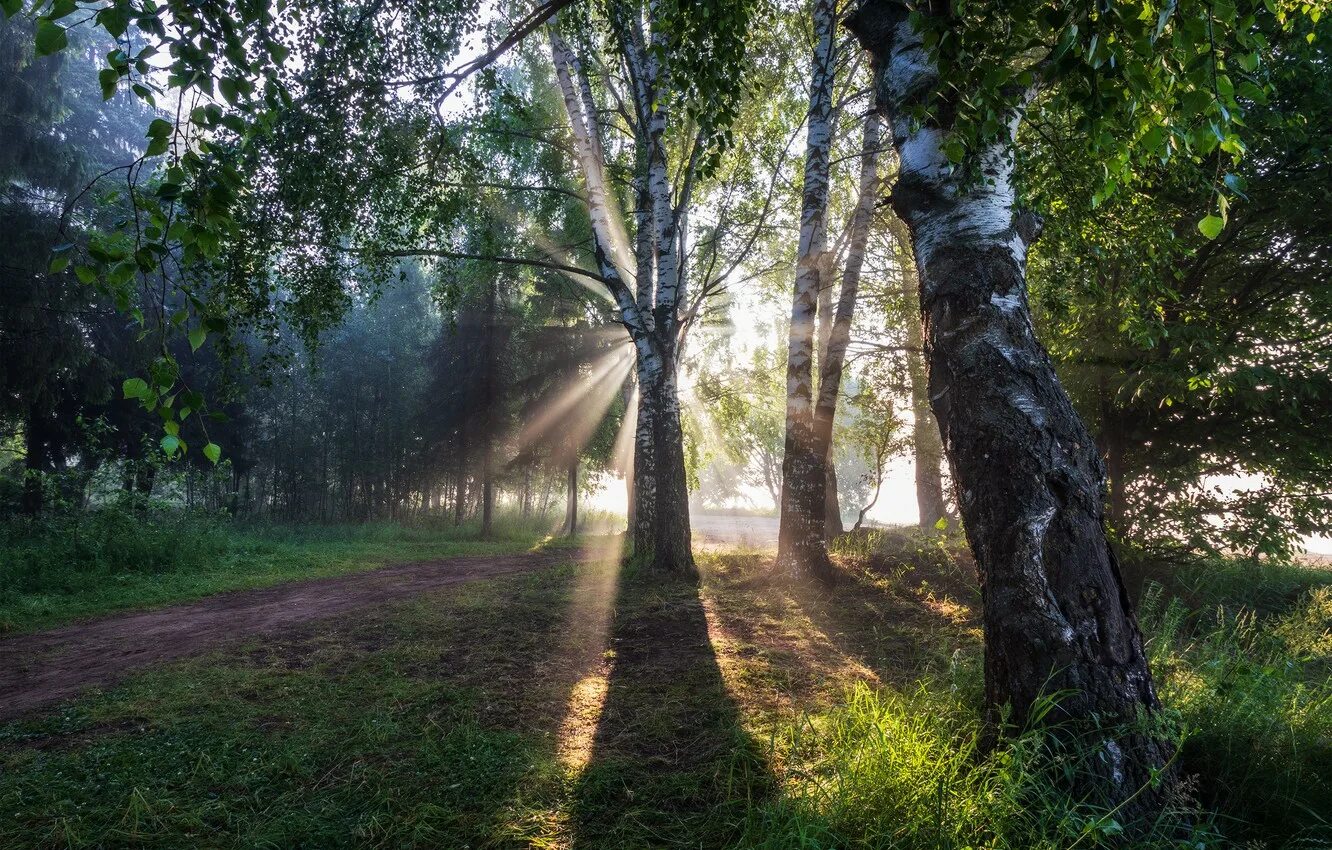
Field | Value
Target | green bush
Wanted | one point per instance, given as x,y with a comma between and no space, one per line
68,551
1255,694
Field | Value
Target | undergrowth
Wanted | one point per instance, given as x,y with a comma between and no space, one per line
81,564
577,708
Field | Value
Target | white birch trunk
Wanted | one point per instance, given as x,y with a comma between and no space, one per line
650,310
833,360
1029,478
800,539
607,219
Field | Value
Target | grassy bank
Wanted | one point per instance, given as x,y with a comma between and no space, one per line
593,707
67,568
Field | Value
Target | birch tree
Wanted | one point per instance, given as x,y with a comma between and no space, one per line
810,512
800,538
673,140
955,83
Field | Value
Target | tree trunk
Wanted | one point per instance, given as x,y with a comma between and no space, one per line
487,497
832,504
931,506
460,491
833,361
571,499
1029,478
526,498
643,510
34,463
671,534
650,312
800,547
925,441
488,413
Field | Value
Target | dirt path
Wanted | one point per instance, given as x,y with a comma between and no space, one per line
45,667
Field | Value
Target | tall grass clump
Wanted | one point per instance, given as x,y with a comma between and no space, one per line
64,551
1255,692
891,769
904,546
138,554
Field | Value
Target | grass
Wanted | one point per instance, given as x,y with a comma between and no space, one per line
112,559
590,706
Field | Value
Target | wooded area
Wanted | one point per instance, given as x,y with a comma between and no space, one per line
400,299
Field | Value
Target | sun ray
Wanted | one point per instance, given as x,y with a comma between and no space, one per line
590,396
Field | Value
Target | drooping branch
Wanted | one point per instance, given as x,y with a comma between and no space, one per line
494,258
519,30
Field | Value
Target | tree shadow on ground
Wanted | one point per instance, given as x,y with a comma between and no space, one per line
882,623
431,722
670,763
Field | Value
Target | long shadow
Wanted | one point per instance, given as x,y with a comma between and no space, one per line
670,763
902,620
804,643
417,723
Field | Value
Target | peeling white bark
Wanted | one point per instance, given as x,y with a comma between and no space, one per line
800,539
607,218
649,309
1056,613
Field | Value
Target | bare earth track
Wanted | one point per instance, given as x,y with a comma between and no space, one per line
45,667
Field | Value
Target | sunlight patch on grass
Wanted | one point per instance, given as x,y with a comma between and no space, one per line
586,637
577,731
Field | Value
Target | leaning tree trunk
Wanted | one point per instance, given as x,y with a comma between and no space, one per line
925,441
926,444
833,361
832,506
1056,615
800,546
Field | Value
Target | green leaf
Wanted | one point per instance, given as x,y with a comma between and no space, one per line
107,78
11,7
229,89
1211,226
1235,183
171,444
941,523
114,19
172,428
954,150
85,274
51,37
59,263
213,452
135,388
197,337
